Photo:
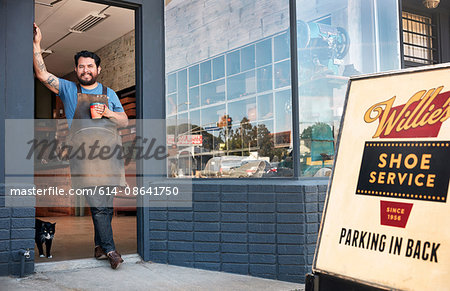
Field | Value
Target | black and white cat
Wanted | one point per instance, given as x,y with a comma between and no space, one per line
44,232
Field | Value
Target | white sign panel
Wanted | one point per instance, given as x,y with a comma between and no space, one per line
387,216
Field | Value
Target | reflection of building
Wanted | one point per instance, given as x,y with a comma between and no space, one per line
250,84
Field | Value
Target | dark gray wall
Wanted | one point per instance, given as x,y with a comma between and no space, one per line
2,90
259,228
150,102
17,101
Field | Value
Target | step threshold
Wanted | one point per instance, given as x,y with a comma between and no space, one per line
82,264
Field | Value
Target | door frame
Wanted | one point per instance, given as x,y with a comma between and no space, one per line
17,83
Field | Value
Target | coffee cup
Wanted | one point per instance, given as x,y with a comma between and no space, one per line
94,113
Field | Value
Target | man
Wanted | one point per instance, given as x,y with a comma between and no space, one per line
97,176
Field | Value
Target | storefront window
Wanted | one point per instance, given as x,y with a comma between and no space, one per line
230,77
229,106
337,39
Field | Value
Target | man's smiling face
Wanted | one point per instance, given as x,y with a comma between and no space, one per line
87,71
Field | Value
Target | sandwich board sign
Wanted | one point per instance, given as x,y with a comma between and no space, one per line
386,221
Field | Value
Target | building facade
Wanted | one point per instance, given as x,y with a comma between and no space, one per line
255,81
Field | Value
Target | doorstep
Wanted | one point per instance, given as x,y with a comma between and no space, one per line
81,264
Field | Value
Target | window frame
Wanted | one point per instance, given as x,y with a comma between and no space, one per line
434,38
440,20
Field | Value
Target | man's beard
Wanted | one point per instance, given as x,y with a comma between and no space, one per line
87,83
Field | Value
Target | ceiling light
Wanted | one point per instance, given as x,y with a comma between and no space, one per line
431,3
88,22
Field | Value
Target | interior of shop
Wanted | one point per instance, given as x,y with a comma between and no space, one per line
70,26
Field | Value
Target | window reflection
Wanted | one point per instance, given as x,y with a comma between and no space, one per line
182,91
213,139
283,118
233,63
248,58
211,115
264,52
265,78
205,71
194,97
195,121
233,129
218,68
171,104
281,47
282,74
172,83
213,92
193,75
331,47
265,107
244,109
241,85
235,84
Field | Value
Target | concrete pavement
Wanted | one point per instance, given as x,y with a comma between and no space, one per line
134,274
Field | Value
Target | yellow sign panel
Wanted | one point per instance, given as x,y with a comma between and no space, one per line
387,216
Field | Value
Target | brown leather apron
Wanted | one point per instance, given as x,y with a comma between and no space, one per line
98,166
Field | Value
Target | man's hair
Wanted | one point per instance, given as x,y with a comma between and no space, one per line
87,54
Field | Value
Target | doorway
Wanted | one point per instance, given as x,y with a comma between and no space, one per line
69,26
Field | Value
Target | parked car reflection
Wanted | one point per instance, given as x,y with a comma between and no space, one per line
251,169
221,166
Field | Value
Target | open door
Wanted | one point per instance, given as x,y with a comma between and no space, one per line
68,27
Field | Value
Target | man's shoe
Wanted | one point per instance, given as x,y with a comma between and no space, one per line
99,254
114,259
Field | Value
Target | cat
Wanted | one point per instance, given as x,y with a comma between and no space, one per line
44,232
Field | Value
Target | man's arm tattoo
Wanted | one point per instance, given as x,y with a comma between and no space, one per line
41,66
52,82
40,62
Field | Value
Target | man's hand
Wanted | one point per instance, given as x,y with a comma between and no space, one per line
37,35
119,118
100,108
48,79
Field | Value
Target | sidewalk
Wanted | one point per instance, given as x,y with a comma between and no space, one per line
134,274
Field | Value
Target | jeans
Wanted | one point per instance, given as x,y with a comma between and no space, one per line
102,212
